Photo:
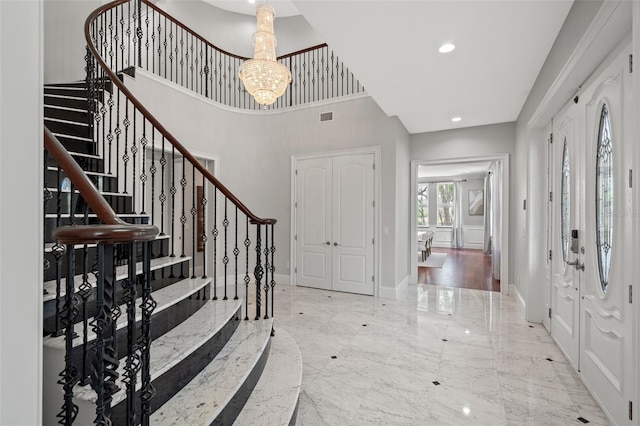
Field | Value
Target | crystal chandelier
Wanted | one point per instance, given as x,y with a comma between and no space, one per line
264,78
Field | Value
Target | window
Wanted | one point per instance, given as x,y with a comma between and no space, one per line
565,202
445,204
604,198
423,204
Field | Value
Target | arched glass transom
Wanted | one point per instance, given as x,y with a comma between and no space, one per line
604,197
565,202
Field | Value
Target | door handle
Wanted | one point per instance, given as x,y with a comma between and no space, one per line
336,244
576,264
328,243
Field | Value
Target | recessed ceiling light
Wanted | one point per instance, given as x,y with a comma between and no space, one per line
446,48
456,119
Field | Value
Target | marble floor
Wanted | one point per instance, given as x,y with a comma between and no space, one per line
436,356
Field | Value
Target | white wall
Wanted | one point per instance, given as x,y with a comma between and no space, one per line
64,43
403,200
255,150
468,142
21,184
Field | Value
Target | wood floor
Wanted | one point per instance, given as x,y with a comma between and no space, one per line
462,268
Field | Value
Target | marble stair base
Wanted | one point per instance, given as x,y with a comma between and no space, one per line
274,400
218,394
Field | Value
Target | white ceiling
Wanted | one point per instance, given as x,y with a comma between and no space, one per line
392,47
476,169
283,8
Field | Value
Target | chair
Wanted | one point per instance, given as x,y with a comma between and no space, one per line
426,241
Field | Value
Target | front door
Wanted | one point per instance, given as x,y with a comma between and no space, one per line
565,294
606,351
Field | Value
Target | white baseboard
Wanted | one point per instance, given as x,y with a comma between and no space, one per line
394,292
522,305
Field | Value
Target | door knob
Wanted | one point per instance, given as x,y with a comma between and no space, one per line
576,264
328,243
336,244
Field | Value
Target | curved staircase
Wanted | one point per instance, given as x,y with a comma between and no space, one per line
212,357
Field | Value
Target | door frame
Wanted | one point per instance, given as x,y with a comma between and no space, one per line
377,247
503,159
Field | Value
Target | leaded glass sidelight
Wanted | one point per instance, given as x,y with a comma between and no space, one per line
604,197
565,202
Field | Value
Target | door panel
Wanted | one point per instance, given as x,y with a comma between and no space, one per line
565,297
353,223
335,223
606,364
314,223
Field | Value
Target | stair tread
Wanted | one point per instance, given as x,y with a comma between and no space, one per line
164,297
121,273
175,345
208,393
274,399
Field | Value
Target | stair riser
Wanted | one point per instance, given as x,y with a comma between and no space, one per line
121,204
81,117
78,145
89,164
50,223
102,183
72,129
66,90
169,383
159,248
68,102
163,278
162,322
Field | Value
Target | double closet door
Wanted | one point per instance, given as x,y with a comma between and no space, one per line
592,237
334,217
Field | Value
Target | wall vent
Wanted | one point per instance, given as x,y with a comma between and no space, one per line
326,116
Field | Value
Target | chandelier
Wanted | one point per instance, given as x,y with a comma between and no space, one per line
263,77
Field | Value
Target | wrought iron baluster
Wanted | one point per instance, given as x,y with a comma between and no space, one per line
129,35
273,268
236,252
215,243
118,131
69,376
105,363
153,169
203,203
134,152
143,154
194,225
162,197
225,259
267,269
84,291
247,280
125,155
148,306
110,102
58,251
258,271
173,190
132,365
146,44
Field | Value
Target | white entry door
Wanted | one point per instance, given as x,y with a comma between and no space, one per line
565,285
606,340
335,223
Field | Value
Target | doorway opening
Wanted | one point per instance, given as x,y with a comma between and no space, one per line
460,223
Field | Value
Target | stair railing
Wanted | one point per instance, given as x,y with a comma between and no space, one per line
140,34
166,181
98,362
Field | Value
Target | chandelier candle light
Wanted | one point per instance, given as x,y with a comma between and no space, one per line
264,78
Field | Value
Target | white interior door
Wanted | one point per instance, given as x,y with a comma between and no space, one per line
606,343
546,321
565,285
314,214
334,209
353,224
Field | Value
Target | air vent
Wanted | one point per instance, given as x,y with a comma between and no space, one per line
326,116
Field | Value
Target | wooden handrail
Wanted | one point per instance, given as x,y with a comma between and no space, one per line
114,230
208,43
155,123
